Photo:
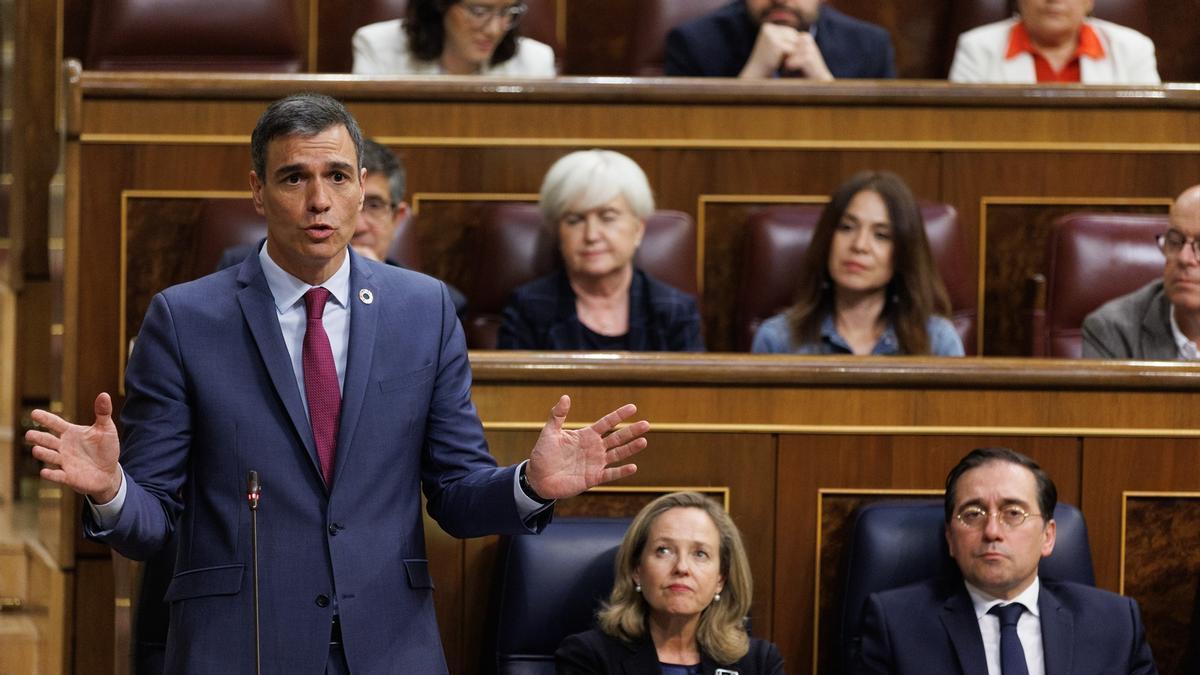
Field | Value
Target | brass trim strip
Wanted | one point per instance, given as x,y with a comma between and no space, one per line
987,201
122,603
1141,494
5,243
418,197
821,493
55,244
56,329
56,406
50,494
633,489
888,430
165,139
677,143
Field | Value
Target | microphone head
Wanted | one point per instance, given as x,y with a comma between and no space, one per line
253,489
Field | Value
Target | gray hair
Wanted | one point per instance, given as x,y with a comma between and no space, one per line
301,115
377,158
586,179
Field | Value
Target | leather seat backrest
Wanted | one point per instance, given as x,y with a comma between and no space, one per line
194,35
652,20
514,246
1092,258
548,587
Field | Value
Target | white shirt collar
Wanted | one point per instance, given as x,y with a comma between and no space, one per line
983,602
1187,348
287,289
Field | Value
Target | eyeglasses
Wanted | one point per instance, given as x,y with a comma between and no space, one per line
1171,243
482,15
376,207
976,518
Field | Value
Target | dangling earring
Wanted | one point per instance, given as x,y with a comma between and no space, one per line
716,597
637,587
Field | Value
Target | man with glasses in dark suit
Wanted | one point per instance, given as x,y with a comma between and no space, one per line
1161,320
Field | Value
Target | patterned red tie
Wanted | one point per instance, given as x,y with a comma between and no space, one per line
321,382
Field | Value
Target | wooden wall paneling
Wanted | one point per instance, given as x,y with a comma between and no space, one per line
1016,236
1174,49
809,463
1115,465
92,614
50,593
1161,545
1047,183
598,46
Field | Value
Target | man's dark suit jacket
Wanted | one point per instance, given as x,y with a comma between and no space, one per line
595,652
211,394
236,254
541,315
718,45
930,627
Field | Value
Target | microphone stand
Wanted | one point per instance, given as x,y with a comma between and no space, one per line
253,492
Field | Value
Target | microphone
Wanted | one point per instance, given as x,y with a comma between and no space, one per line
253,492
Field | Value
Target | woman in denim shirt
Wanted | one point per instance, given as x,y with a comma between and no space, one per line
869,284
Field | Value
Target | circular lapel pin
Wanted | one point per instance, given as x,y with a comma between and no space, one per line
366,296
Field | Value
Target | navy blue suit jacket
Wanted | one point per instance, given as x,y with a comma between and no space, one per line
930,627
541,315
719,44
211,394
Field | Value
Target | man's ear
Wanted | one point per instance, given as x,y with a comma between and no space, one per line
256,187
400,213
1050,535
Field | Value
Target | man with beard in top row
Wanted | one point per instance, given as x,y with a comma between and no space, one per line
762,39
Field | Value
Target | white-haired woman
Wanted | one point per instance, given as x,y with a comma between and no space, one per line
679,600
596,202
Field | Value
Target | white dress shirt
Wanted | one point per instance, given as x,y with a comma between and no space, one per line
1029,627
1187,348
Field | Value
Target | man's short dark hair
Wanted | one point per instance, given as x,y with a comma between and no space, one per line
377,158
301,115
1047,493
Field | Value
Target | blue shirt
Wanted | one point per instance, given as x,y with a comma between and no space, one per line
774,336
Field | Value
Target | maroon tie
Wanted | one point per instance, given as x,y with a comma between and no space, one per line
321,382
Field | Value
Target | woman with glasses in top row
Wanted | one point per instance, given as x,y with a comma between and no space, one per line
446,37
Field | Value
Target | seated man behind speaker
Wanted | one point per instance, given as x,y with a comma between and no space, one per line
1000,618
759,39
1161,320
1054,41
383,211
595,202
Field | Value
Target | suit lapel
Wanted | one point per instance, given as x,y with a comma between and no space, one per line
258,307
958,617
1058,633
643,658
364,316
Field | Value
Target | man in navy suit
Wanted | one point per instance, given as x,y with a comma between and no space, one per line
345,384
1000,618
758,39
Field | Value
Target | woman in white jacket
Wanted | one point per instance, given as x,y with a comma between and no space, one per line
450,37
1054,41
